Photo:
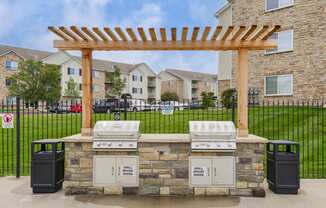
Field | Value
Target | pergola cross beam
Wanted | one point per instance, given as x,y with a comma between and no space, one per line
241,39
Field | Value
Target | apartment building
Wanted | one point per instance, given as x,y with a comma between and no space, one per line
9,59
296,68
140,80
188,85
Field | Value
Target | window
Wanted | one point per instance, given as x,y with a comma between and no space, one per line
277,4
11,65
95,73
134,90
10,100
95,88
284,41
279,85
71,71
8,82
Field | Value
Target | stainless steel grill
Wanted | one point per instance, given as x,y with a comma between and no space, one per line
212,135
116,135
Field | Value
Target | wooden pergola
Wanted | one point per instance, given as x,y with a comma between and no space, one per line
241,38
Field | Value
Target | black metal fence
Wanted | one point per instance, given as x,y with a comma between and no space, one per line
302,121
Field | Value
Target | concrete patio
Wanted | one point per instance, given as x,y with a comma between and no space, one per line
17,193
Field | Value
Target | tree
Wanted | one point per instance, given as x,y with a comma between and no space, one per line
36,81
228,97
116,84
207,99
72,90
169,96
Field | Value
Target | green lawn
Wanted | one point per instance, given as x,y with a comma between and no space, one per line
303,124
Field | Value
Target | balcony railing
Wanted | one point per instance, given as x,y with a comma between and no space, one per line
151,84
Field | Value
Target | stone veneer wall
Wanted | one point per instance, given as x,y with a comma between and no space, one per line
163,169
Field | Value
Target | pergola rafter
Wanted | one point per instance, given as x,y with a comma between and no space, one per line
231,38
241,39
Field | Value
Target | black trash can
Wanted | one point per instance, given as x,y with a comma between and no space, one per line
47,168
283,167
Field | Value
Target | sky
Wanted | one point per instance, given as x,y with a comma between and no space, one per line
24,24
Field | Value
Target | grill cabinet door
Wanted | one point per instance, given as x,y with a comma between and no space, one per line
224,171
127,171
200,170
104,171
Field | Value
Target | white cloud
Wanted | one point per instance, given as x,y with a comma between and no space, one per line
84,12
200,11
93,13
149,15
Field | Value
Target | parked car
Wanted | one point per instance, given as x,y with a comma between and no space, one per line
110,105
103,106
140,105
76,108
195,104
59,108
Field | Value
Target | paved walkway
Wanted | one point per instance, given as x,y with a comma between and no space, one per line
16,193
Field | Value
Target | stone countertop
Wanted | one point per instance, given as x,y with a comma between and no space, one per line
166,138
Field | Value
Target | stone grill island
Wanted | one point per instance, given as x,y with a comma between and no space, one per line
163,166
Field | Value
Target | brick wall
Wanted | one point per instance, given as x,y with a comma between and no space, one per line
307,61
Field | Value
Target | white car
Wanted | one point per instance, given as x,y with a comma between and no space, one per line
140,105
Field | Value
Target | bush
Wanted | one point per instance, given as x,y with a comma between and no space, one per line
229,96
208,99
169,96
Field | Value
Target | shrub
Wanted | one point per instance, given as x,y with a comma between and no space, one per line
169,96
229,96
208,99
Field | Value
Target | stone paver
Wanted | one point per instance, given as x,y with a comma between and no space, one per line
17,193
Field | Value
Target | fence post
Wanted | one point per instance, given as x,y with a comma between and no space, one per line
125,106
17,137
233,109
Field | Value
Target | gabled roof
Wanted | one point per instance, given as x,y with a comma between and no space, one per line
222,9
191,75
24,52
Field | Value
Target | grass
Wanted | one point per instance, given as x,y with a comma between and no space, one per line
304,124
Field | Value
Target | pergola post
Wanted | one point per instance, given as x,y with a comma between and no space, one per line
87,92
242,82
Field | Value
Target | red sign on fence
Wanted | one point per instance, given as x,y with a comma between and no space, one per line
7,120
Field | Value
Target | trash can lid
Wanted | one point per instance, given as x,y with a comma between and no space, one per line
282,142
47,141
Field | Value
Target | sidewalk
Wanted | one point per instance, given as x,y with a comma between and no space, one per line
16,193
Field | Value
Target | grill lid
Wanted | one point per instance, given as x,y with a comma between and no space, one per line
212,130
116,130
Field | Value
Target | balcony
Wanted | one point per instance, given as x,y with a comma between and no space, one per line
151,83
151,95
194,85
